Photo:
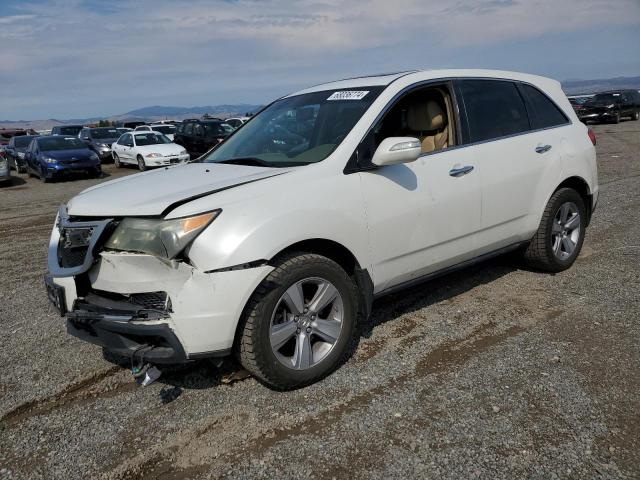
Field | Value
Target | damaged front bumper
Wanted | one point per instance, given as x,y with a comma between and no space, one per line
132,303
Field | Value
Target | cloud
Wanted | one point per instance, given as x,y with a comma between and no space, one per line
77,55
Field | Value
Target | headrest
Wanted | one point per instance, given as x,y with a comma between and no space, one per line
425,116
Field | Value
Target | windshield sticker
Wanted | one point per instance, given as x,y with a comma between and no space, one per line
348,95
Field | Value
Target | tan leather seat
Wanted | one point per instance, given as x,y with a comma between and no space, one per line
430,123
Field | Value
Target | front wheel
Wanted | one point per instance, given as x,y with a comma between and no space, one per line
616,119
635,115
141,165
116,160
299,323
559,238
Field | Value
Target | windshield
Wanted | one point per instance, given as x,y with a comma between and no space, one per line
104,133
297,130
60,143
22,142
164,128
74,130
606,98
150,139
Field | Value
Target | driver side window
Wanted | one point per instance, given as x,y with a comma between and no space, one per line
425,113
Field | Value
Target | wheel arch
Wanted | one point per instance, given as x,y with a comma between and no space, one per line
580,185
342,256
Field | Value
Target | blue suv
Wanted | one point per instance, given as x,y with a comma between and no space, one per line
52,157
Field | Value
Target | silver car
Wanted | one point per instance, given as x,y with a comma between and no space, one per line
5,170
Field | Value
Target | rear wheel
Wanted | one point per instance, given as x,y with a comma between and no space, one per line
141,165
43,176
616,119
299,323
559,238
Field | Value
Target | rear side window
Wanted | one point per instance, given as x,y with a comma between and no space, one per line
494,109
543,112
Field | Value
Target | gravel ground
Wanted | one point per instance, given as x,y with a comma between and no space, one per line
493,372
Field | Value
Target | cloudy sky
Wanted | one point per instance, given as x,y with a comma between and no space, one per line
76,58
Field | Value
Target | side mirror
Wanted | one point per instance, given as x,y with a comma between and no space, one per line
394,150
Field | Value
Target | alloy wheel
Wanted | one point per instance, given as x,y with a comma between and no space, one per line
306,323
565,232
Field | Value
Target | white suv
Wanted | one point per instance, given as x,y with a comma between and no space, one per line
273,245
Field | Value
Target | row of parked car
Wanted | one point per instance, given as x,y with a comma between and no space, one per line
79,149
609,107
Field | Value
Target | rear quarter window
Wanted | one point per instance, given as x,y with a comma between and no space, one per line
542,111
494,109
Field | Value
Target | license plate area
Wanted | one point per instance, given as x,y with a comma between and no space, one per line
56,295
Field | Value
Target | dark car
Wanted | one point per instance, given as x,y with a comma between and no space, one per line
100,140
16,149
66,130
7,134
5,170
199,136
611,106
51,157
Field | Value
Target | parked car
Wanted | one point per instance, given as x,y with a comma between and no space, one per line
237,122
147,149
66,130
273,246
7,134
611,106
15,151
100,140
5,169
122,130
167,129
199,136
56,156
577,103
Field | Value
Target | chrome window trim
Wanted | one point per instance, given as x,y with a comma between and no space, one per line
458,119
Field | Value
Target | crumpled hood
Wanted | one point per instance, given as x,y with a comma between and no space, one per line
152,193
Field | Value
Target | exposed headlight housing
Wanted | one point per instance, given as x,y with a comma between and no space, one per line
161,238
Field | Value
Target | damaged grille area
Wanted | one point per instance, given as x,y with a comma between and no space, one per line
73,246
158,301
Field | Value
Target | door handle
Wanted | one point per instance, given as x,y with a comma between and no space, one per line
543,148
458,172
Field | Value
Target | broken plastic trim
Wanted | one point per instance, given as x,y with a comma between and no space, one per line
242,266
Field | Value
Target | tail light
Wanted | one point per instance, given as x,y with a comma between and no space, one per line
592,136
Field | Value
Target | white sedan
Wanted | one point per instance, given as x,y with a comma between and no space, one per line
147,149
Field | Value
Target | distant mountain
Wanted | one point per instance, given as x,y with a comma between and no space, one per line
160,111
146,114
577,87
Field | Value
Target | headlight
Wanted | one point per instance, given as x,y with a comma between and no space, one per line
162,238
94,157
153,155
610,106
104,145
50,160
20,154
183,152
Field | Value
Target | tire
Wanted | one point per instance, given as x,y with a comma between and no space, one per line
43,177
617,118
141,165
268,307
635,115
548,249
116,161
